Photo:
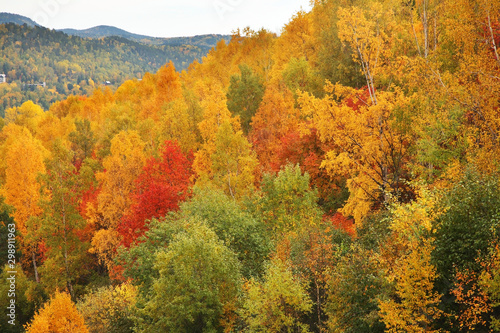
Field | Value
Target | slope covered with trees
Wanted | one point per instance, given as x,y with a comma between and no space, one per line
340,177
70,65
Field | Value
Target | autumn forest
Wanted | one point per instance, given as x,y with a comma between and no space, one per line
341,176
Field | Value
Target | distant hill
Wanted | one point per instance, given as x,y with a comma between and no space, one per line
17,19
46,65
201,40
104,31
205,42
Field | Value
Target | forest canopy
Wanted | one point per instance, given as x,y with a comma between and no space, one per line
342,176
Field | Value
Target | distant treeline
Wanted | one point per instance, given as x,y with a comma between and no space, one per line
72,65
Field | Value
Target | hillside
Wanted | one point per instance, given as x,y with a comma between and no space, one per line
75,65
203,41
17,19
342,176
104,31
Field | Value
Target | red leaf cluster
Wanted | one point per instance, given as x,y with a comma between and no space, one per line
162,185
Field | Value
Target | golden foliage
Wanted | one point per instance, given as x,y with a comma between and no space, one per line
370,151
276,304
407,263
122,167
59,315
24,158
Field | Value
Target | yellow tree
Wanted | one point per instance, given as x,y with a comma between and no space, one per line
406,260
215,113
455,76
278,303
225,159
367,39
246,47
51,128
24,160
109,309
59,315
176,123
370,151
149,95
418,305
296,41
233,162
472,30
122,167
29,115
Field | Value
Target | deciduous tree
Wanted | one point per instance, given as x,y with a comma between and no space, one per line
198,286
122,168
244,95
278,303
163,183
59,315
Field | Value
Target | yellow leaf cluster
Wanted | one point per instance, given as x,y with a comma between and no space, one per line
59,315
418,303
122,167
106,306
24,156
366,143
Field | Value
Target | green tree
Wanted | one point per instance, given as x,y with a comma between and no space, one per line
244,95
198,284
288,203
29,295
335,60
299,76
278,303
82,139
468,227
243,233
138,260
61,222
354,287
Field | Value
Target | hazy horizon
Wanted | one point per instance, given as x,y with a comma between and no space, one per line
158,18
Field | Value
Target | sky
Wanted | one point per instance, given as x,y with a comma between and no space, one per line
160,18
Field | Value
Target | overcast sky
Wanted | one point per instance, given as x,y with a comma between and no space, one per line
159,18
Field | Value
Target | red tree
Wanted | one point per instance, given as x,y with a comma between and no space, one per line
163,183
308,151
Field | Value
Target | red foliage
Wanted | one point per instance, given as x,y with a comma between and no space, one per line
495,28
307,151
359,100
88,197
341,222
42,250
163,183
116,273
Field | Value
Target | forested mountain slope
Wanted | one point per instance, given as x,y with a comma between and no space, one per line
30,56
342,176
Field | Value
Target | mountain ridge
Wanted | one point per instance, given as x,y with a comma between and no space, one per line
102,31
17,19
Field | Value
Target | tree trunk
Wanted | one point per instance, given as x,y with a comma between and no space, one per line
34,266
